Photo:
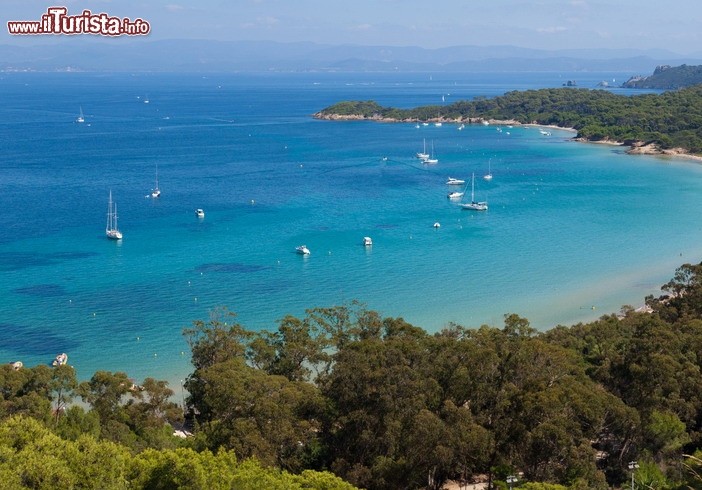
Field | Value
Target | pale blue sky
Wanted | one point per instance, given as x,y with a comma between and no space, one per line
543,24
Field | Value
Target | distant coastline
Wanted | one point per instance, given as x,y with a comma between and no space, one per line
635,147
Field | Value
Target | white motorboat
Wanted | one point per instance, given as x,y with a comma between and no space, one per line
199,213
455,195
303,250
452,181
367,241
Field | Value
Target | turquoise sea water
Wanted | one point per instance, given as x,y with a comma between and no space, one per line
574,230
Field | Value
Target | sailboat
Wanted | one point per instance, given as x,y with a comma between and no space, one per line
431,159
80,117
111,230
488,176
423,155
156,192
473,205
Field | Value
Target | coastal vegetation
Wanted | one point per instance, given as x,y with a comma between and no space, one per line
666,77
669,120
345,398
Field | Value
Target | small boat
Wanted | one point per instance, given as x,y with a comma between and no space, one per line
199,213
438,123
431,160
452,181
367,241
60,360
423,155
80,118
460,128
17,365
488,176
455,195
303,250
111,230
135,387
437,225
473,205
156,191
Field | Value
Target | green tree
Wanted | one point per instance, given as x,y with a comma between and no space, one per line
35,458
17,395
259,415
105,393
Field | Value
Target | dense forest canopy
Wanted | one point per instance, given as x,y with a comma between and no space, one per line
345,398
667,120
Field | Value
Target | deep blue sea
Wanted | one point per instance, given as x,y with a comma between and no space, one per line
574,230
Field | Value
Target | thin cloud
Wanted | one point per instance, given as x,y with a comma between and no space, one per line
551,30
267,21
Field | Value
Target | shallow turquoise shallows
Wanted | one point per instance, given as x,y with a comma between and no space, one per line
573,230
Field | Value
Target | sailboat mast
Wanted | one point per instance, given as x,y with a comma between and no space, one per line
109,213
472,189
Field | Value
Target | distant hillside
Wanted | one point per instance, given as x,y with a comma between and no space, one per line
667,77
649,123
140,55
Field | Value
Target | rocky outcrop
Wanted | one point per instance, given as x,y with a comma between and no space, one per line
640,148
666,77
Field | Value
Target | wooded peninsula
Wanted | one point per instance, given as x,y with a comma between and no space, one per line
668,122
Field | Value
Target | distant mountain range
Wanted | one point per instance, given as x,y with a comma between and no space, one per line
135,55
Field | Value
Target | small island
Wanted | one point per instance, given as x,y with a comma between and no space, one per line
667,123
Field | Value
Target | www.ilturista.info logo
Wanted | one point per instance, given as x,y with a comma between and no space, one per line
57,21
